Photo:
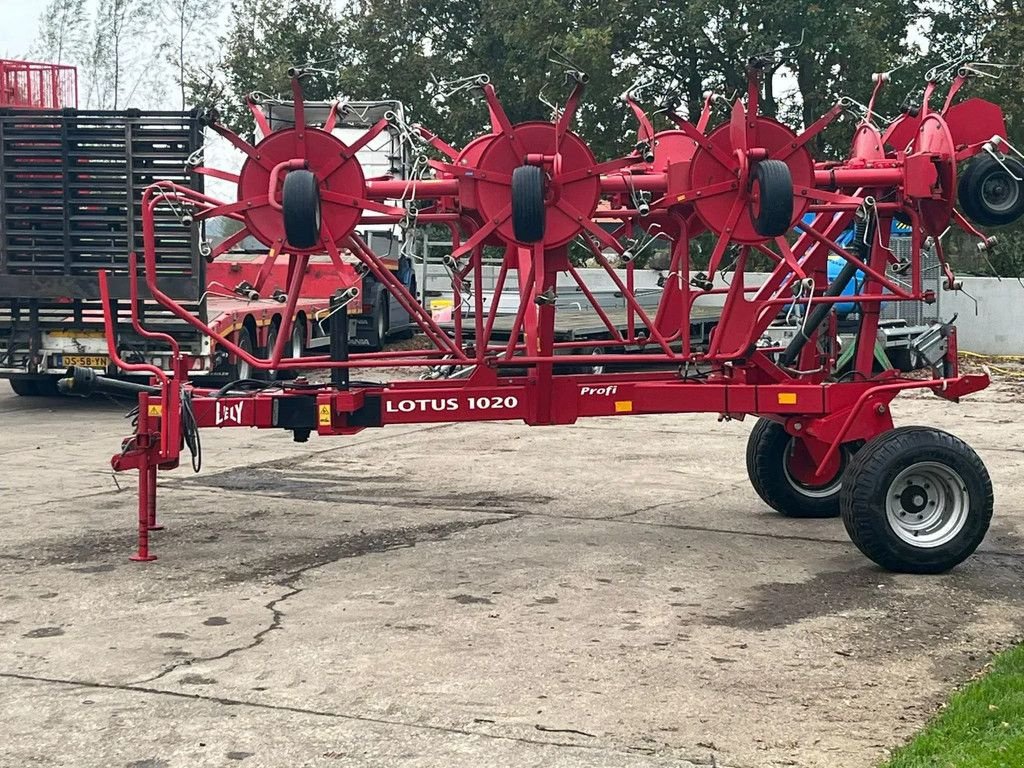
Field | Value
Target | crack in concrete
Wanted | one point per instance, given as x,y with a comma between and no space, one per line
226,701
337,549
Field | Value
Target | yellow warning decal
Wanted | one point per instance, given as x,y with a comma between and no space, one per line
787,398
680,198
325,415
155,410
623,406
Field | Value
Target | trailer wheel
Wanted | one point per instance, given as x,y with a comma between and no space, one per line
989,194
242,369
380,322
771,207
300,201
24,387
917,500
780,471
528,203
294,349
48,387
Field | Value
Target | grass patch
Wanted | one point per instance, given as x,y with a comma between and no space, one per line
982,727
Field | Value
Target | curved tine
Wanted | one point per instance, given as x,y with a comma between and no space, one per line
781,48
991,69
886,75
550,105
559,59
949,65
639,85
448,88
848,101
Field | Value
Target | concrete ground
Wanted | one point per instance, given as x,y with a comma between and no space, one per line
607,594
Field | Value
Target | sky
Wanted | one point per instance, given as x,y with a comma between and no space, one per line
18,29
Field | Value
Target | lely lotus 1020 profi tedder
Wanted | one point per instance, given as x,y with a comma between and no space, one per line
913,499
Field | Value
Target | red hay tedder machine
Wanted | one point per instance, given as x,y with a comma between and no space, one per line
913,499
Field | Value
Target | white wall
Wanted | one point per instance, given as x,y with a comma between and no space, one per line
996,326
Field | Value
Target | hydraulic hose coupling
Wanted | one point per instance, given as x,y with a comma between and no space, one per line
643,149
78,381
348,294
85,381
246,291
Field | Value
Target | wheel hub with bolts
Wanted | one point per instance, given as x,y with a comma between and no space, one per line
1000,192
927,505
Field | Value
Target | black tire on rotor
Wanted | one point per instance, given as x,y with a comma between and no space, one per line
774,214
988,193
767,453
300,201
528,211
868,486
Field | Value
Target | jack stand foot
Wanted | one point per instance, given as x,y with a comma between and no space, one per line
137,558
156,527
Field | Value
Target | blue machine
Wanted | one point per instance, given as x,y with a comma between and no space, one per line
836,264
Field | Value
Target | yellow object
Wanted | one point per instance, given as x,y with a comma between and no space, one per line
86,361
996,368
75,334
155,410
787,398
325,415
623,406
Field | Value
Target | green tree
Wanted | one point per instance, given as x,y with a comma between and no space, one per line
266,37
188,31
62,28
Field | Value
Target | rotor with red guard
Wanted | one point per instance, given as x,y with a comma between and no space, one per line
337,171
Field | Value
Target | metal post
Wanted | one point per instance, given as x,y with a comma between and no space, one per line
151,507
423,271
142,445
339,341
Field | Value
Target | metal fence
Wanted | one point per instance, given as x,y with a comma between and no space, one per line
914,312
31,85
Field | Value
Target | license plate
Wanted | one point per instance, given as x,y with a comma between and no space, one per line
86,361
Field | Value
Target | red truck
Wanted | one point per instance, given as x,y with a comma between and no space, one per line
70,188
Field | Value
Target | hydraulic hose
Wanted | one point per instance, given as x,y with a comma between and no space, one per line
820,313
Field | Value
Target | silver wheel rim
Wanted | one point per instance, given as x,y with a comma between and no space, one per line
1000,192
271,343
245,342
597,368
811,491
927,504
244,369
296,341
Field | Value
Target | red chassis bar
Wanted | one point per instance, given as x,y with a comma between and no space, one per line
487,397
